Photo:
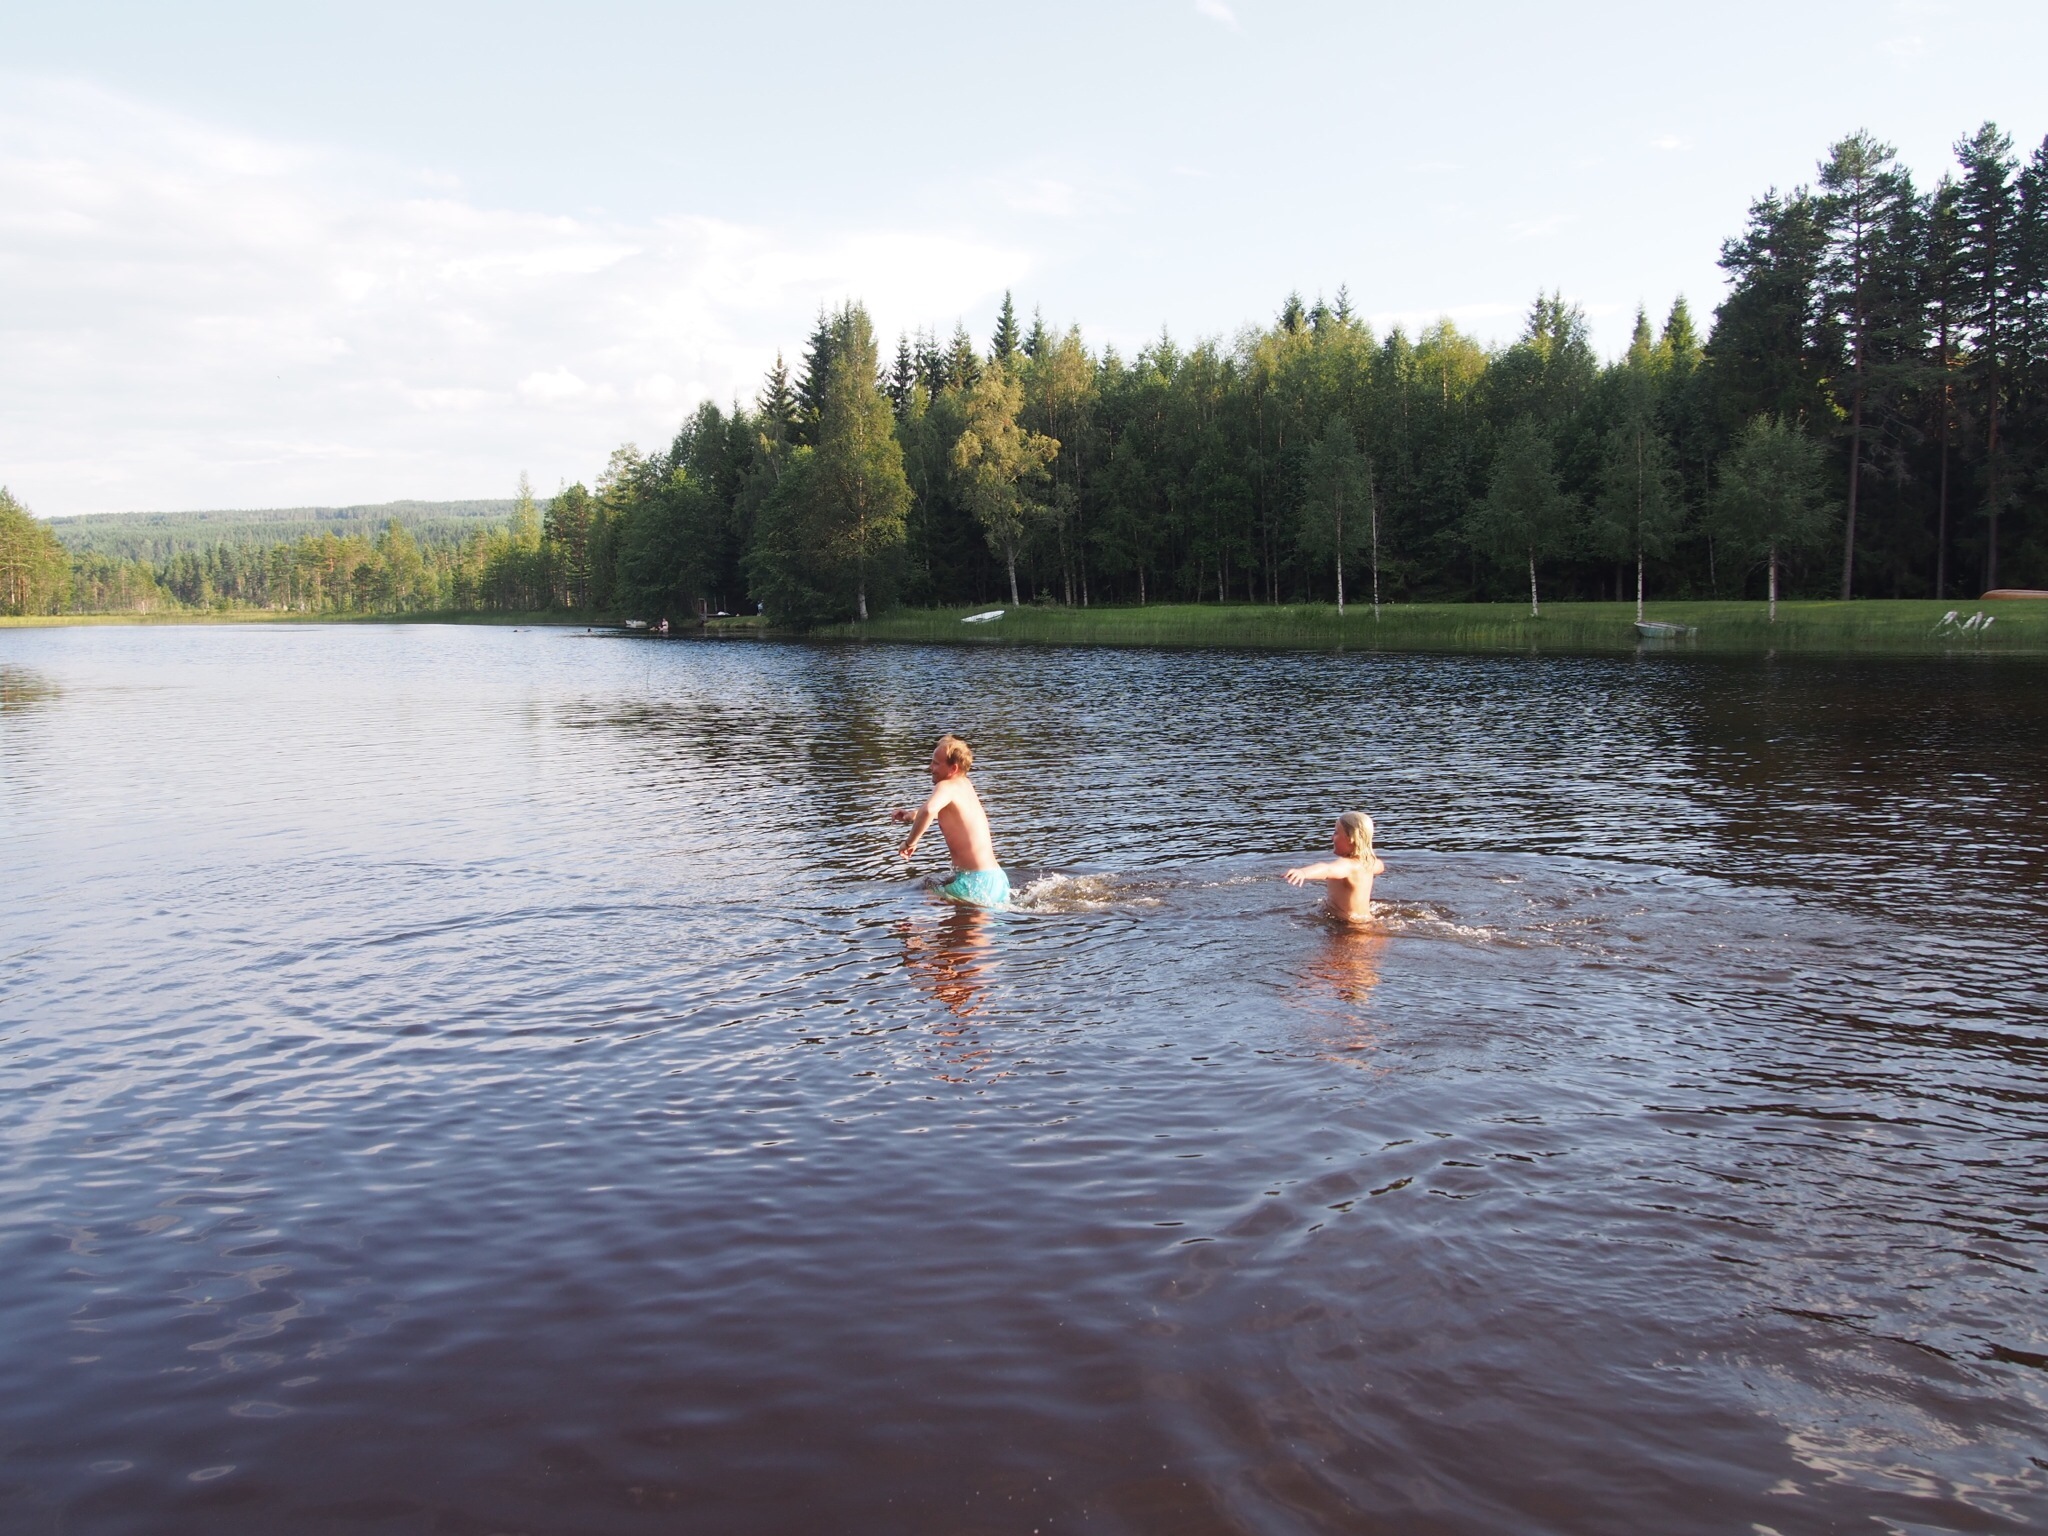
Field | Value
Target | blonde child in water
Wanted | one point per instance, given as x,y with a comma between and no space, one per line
1347,879
977,879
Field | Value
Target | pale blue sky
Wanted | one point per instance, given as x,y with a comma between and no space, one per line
259,254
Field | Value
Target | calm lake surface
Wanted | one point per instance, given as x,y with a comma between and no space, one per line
470,1080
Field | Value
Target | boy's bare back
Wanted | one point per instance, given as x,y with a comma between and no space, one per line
963,823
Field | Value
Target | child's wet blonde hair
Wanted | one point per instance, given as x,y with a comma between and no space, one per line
956,752
1358,827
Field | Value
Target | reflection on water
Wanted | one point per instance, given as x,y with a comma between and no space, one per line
951,956
1348,963
464,1080
21,687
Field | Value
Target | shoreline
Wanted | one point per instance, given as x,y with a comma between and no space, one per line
1864,626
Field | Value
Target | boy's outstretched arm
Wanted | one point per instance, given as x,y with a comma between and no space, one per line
1331,869
920,823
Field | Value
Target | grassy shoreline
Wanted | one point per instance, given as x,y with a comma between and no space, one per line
1867,626
553,619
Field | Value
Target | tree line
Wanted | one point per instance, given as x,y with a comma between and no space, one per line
1867,417
501,566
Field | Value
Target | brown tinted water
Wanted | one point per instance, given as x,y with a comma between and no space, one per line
464,1080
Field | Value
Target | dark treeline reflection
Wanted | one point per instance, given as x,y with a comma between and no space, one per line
1868,415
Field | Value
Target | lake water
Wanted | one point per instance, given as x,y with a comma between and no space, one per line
467,1080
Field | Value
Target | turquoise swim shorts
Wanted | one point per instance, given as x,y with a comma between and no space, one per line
978,887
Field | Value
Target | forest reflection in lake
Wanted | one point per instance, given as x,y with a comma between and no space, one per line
468,1079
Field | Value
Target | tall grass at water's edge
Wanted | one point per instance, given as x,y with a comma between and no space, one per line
1865,626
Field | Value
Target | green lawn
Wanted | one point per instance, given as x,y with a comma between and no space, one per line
1867,626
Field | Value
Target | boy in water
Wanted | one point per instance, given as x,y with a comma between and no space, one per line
977,879
1347,879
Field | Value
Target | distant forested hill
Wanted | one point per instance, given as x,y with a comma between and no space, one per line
157,536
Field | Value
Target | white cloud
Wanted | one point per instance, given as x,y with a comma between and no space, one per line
1538,229
1043,194
1670,141
557,384
1216,10
1492,322
195,318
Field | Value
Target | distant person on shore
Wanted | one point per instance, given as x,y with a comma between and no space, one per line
977,878
1347,879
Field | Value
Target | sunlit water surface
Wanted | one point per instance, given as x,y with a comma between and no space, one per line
469,1080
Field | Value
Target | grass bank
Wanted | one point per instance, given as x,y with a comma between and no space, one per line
1863,627
553,619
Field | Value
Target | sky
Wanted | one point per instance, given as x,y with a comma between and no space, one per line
256,255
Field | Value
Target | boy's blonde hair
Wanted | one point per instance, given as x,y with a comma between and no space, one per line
956,752
1358,827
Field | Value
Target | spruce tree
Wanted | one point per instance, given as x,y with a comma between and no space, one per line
1002,347
963,367
811,382
1038,339
902,377
777,404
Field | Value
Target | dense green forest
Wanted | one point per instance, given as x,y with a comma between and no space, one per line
425,556
1868,416
158,536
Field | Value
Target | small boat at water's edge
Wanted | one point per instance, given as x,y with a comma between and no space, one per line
1651,629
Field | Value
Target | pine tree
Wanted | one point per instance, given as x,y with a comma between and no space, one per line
1763,350
2030,331
1002,347
1862,191
35,570
1985,208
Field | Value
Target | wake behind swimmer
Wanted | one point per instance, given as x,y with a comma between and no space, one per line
979,880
